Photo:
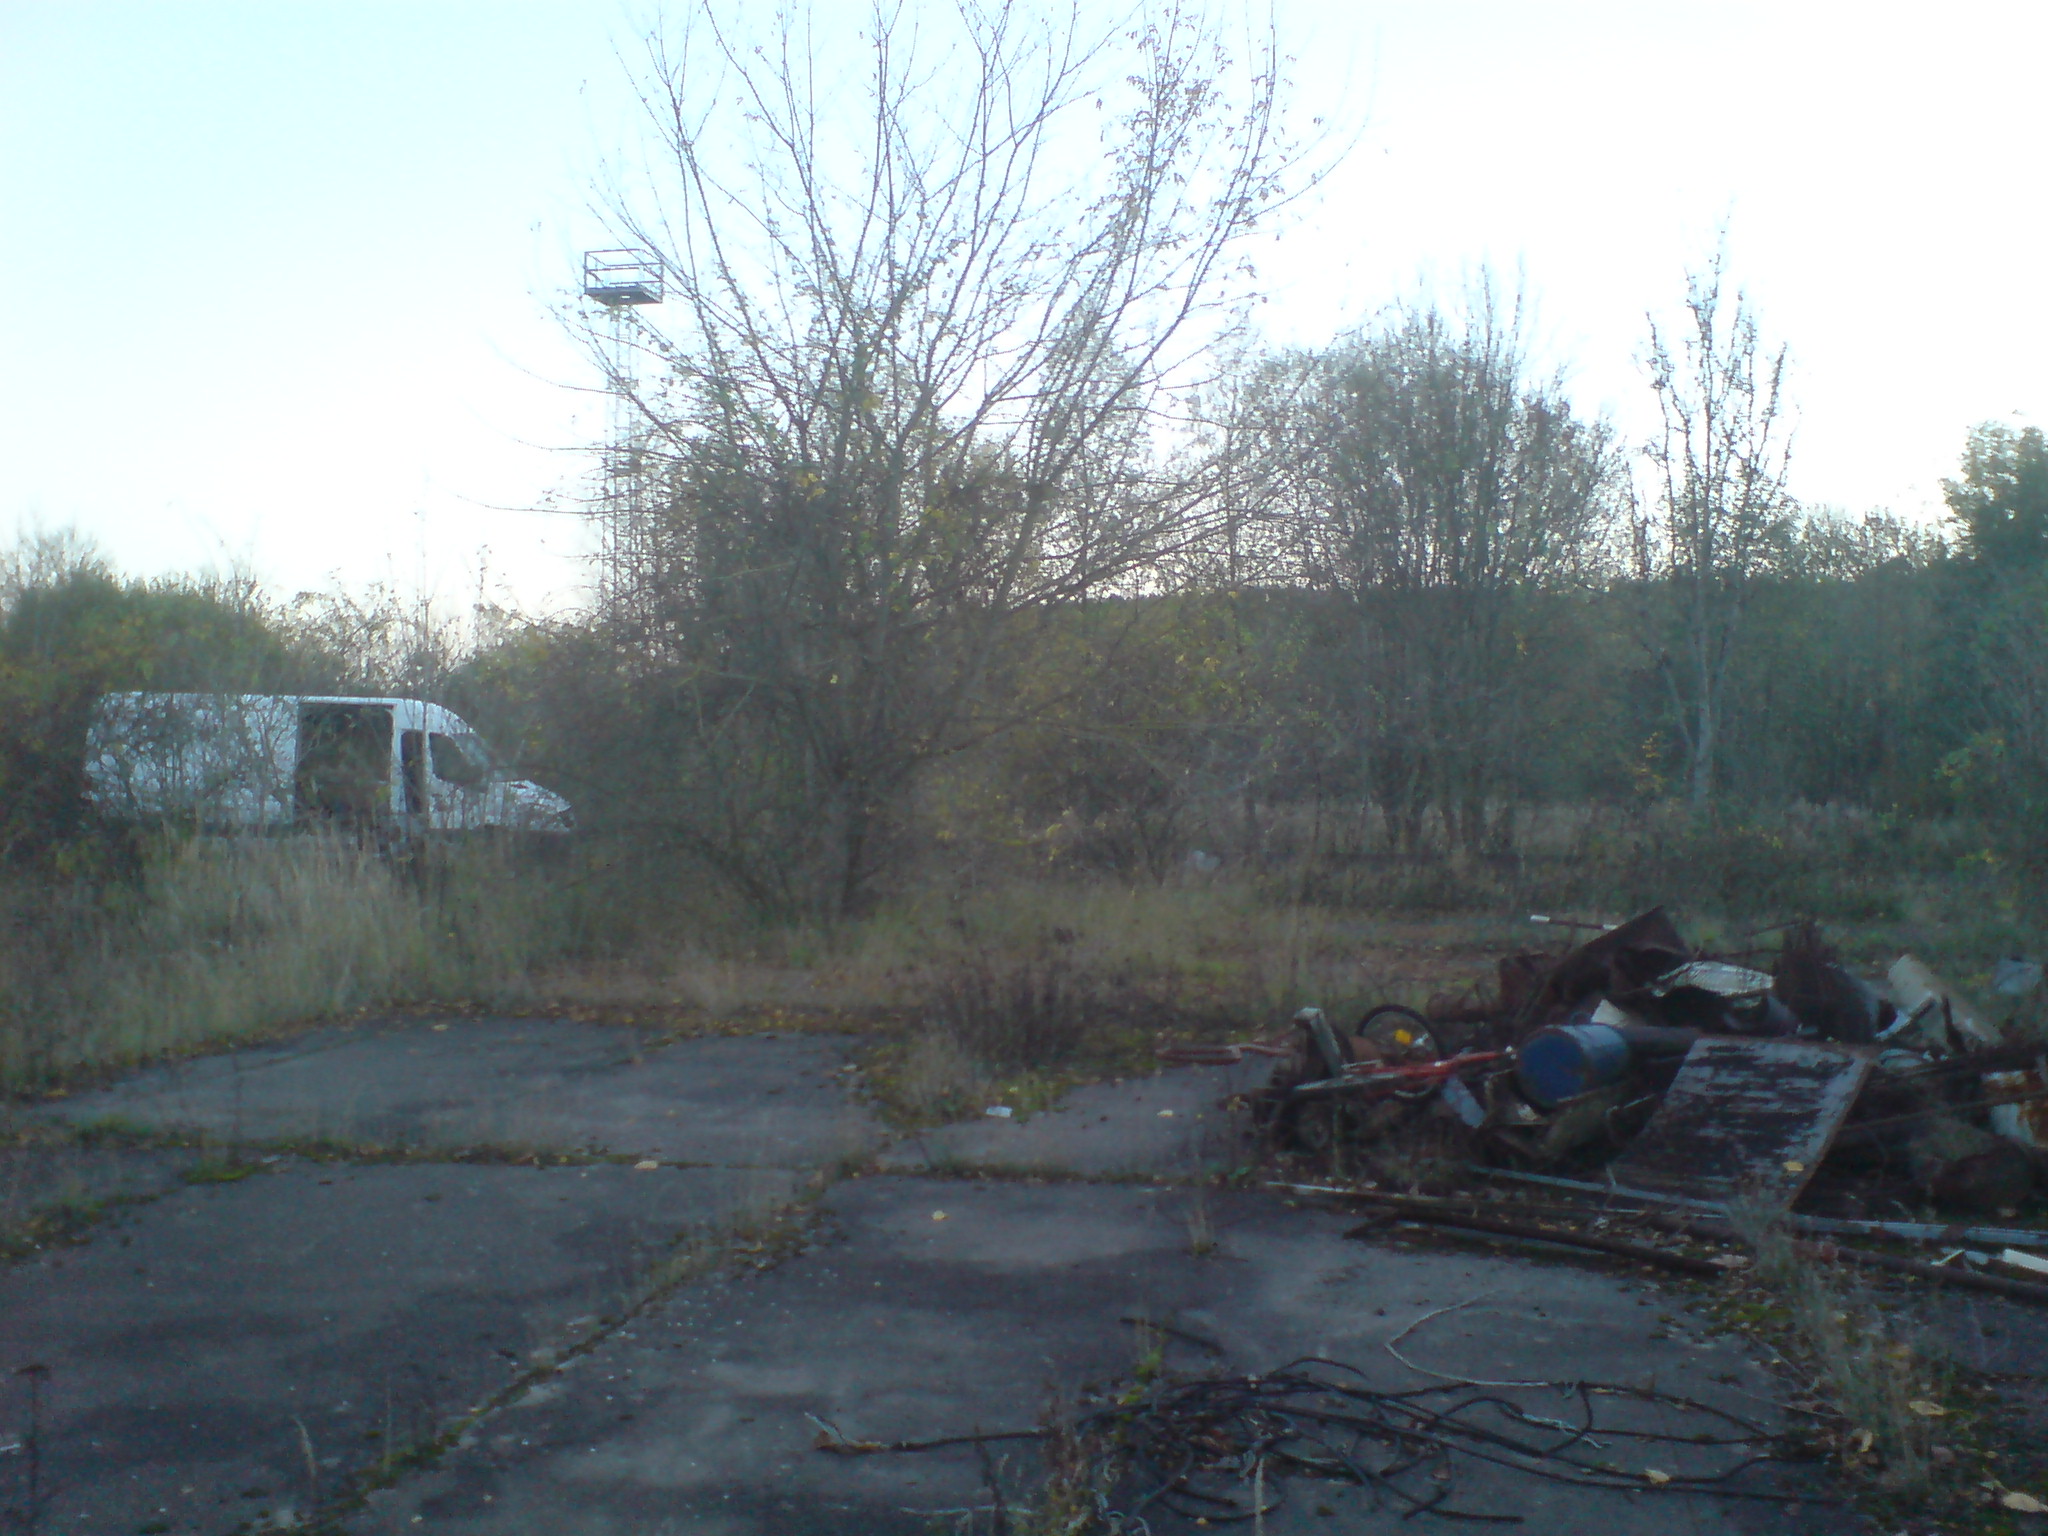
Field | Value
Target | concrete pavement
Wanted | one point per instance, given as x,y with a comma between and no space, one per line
288,1344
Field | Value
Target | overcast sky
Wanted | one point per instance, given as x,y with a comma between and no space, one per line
277,278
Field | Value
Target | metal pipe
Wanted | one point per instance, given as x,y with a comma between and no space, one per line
1969,1280
1410,1208
1913,1231
1641,1253
1853,1134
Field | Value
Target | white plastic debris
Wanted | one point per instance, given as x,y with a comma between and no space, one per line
1458,1098
2015,977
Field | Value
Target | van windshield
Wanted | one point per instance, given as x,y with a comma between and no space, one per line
459,759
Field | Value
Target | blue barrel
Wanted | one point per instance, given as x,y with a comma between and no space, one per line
1561,1063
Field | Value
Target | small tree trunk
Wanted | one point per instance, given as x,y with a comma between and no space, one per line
853,868
1704,721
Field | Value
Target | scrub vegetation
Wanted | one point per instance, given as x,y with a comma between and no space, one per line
996,642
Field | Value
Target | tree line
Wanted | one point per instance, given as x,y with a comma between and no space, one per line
963,501
949,456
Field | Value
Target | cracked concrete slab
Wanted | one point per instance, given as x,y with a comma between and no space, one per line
81,1182
2004,1340
1174,1123
237,1352
934,1306
235,1356
767,1100
1984,1333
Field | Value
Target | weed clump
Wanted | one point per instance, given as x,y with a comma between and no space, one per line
1013,1012
1882,1392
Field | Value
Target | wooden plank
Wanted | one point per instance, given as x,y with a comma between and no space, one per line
1745,1119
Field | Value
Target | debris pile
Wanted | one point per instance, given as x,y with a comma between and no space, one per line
1633,1059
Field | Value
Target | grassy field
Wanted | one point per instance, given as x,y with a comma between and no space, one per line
1027,975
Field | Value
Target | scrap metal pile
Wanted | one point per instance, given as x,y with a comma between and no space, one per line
1635,1059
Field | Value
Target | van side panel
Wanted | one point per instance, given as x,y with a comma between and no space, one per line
264,762
221,761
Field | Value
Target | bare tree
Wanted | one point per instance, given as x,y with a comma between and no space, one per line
1722,512
927,321
1828,544
1418,472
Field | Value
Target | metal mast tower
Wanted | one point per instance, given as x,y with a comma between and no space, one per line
623,280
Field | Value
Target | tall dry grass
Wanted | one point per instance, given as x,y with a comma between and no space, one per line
1000,991
999,968
1852,1355
989,974
217,940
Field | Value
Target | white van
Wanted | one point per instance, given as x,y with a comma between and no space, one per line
257,762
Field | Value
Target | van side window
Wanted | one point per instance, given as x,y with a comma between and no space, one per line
454,763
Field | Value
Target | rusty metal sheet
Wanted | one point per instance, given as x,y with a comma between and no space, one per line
1745,1118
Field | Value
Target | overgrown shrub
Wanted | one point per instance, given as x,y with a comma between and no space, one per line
1014,1012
